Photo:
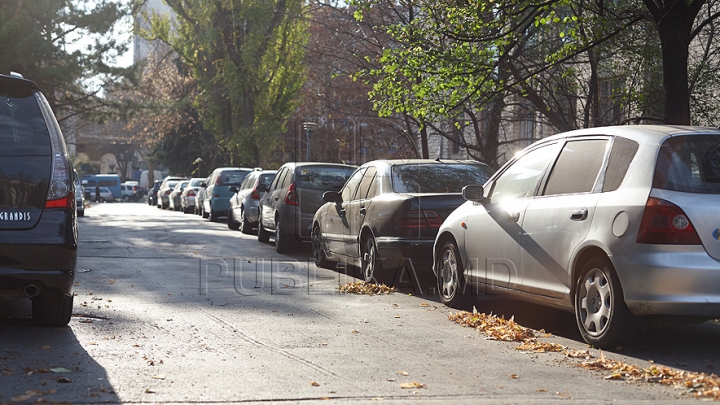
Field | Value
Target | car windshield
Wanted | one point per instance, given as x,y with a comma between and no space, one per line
437,178
322,177
171,185
266,178
232,178
689,163
196,183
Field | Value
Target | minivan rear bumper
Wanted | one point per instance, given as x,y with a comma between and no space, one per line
670,280
45,255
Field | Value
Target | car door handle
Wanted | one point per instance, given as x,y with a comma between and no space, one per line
513,216
579,214
363,211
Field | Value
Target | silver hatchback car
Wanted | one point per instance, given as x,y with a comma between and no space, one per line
616,224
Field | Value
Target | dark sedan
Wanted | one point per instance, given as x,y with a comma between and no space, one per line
388,213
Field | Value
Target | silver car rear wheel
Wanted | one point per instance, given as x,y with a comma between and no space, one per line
603,318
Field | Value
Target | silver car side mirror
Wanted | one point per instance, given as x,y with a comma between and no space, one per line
475,193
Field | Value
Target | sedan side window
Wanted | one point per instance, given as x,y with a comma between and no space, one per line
348,192
365,184
277,179
521,179
577,168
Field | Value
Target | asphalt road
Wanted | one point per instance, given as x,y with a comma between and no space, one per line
171,308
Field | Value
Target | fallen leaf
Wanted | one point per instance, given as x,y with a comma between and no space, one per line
60,370
397,315
424,304
615,376
413,384
147,391
514,376
158,377
92,343
314,384
63,380
405,373
355,331
46,347
541,389
27,395
111,281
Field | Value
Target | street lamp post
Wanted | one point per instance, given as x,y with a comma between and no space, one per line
309,127
198,162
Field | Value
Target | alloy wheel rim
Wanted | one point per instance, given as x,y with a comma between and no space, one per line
369,260
595,302
448,275
317,245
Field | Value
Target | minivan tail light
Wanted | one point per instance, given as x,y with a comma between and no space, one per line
664,223
65,202
60,179
254,194
291,196
417,219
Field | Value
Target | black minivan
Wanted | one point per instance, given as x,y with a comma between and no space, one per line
38,224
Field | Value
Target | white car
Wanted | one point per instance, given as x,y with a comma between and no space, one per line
617,224
105,194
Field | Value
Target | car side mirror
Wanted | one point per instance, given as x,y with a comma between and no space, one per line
261,188
203,184
332,196
84,182
233,189
182,189
475,193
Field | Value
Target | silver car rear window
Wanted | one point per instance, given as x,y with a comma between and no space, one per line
689,163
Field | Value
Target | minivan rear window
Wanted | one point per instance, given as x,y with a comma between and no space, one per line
232,178
322,177
689,163
22,126
437,178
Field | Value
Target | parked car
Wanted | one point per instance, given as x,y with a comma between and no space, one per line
152,194
105,194
38,223
616,224
287,207
175,195
163,193
217,193
388,213
129,192
79,195
187,198
200,198
243,211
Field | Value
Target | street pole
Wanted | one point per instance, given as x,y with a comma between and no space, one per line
309,127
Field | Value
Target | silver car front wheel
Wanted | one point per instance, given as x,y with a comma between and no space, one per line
450,276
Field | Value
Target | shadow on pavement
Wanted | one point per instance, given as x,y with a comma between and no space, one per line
46,364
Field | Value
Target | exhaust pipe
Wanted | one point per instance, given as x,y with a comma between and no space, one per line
31,290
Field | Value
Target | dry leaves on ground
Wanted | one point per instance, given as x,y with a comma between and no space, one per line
361,287
413,384
496,328
699,385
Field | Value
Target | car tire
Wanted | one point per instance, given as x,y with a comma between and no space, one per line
283,241
52,310
245,226
263,235
370,266
203,213
81,212
451,277
213,215
319,250
602,316
125,198
231,220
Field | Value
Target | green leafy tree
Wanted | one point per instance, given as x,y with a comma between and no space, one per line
248,60
464,58
69,48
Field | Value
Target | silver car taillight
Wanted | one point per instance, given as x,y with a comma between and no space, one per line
60,176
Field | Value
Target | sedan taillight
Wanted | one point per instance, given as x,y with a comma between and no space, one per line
291,196
417,219
191,193
664,223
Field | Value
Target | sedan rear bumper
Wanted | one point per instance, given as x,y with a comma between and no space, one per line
394,252
685,282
